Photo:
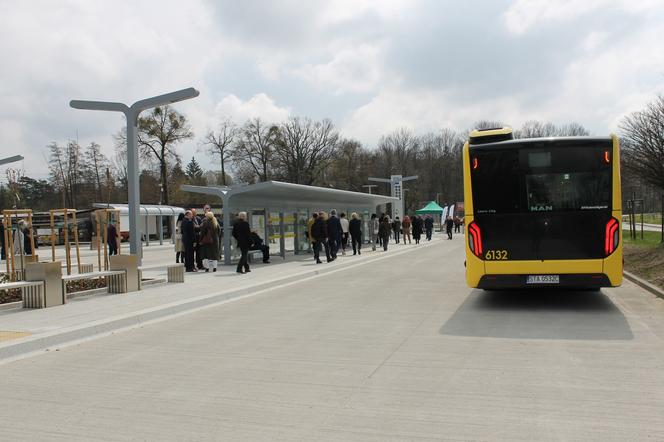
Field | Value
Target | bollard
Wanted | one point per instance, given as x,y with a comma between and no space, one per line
128,263
52,292
175,273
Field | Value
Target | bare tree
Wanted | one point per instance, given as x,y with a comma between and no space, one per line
398,150
96,164
643,143
158,133
254,149
303,148
65,164
538,129
219,143
488,124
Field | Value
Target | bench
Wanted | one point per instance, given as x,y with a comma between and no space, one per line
251,254
32,292
116,280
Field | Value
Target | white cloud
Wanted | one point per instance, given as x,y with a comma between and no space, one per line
351,70
523,15
258,106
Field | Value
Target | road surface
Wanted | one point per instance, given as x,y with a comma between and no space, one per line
397,349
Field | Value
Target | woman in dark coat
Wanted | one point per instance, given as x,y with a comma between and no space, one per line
242,234
209,238
188,240
384,230
417,229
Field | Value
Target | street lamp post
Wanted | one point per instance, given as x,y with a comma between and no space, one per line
131,114
10,159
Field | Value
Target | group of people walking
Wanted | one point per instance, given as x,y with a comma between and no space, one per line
331,233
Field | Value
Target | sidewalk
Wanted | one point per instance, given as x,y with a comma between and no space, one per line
24,331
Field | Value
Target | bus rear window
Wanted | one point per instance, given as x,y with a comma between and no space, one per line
559,178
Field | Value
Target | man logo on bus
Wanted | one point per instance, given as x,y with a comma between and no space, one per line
541,208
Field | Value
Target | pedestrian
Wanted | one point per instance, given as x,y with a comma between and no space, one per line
428,226
355,229
384,230
405,228
310,223
19,239
449,225
258,244
457,224
242,234
380,221
209,242
373,226
197,233
396,229
417,229
188,240
334,233
112,239
179,247
320,236
344,232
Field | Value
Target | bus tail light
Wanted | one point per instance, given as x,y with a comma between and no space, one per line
611,236
475,239
607,157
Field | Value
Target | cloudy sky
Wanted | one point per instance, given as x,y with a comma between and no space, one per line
371,66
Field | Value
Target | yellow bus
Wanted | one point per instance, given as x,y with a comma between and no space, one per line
542,212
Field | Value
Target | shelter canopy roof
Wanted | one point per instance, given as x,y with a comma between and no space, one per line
145,209
280,195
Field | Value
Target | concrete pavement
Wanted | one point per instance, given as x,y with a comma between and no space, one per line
90,316
397,349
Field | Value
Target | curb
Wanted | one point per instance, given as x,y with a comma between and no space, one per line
29,346
644,284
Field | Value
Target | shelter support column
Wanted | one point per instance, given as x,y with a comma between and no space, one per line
161,230
296,233
282,235
228,230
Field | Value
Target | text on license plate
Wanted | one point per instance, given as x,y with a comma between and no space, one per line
543,279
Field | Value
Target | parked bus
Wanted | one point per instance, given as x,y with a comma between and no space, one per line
542,212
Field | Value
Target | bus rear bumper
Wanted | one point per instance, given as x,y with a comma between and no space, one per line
569,281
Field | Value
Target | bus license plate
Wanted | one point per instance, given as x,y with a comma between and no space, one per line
543,279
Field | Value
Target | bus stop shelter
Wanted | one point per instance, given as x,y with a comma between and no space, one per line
291,204
151,218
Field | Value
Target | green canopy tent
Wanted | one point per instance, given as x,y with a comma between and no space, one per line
430,209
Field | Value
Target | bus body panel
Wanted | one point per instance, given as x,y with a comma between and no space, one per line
547,267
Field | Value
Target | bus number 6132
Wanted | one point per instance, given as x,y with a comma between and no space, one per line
496,255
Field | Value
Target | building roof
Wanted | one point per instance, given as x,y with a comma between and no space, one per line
145,209
280,195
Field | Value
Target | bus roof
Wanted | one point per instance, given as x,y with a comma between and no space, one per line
540,141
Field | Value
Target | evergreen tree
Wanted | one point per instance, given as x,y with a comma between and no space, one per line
194,173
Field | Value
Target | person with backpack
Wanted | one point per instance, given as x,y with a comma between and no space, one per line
396,229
